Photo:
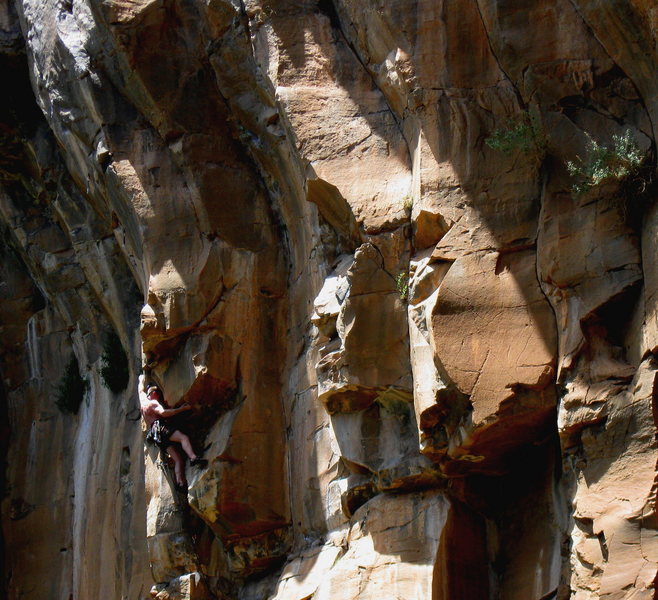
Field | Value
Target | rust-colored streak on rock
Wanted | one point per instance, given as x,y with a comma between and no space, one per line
463,549
350,400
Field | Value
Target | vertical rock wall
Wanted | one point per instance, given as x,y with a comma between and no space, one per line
420,360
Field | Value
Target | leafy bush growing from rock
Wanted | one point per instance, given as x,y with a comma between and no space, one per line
114,364
71,388
402,285
619,161
523,133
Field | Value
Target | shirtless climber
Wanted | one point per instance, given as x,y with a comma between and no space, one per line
162,434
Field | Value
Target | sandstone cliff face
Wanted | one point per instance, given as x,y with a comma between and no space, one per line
421,364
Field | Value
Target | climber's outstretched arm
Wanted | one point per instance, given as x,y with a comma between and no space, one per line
165,413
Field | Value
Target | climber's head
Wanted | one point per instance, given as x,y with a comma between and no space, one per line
153,393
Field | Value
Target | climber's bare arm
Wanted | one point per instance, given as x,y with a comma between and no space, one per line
165,413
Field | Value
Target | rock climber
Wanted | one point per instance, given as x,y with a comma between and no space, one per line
162,432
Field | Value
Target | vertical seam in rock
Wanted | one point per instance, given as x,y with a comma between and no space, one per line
537,269
519,97
356,54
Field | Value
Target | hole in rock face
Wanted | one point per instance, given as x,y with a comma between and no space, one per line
616,78
38,300
606,331
604,545
356,497
327,8
124,468
611,320
571,104
585,524
268,293
19,110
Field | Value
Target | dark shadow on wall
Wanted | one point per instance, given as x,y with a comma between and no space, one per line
4,447
19,301
504,534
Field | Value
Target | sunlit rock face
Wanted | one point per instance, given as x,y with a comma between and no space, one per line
359,239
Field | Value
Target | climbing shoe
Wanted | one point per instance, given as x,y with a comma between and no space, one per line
199,462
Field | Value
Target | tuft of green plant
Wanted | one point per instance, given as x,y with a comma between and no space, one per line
402,285
114,370
523,133
618,161
71,388
407,202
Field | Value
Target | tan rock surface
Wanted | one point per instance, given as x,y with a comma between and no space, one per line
493,329
391,548
614,532
371,329
342,123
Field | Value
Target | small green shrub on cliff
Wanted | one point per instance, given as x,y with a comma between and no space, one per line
402,285
603,162
523,133
71,388
114,364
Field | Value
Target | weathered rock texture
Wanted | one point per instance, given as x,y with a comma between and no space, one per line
420,366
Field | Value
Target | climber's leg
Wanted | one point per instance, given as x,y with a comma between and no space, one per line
184,441
179,465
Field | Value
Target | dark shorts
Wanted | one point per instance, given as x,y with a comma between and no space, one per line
159,434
